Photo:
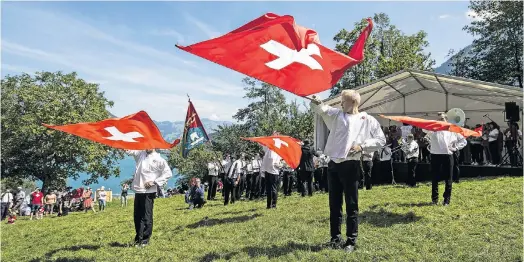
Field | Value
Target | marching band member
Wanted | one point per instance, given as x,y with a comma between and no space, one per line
386,165
212,172
323,161
442,146
367,168
307,168
271,168
410,149
255,179
232,180
287,177
351,134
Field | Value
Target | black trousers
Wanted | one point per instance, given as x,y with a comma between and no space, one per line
143,214
324,181
441,169
239,191
212,190
365,177
272,189
230,190
307,182
477,153
494,150
249,177
386,171
318,177
255,186
412,166
4,207
343,187
426,156
263,187
456,167
288,182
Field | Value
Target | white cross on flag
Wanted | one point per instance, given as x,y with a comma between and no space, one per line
285,146
132,132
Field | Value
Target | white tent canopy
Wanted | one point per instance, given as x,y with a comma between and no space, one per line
423,94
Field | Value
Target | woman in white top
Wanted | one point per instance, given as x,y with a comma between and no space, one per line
494,147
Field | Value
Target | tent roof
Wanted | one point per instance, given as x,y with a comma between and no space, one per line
424,94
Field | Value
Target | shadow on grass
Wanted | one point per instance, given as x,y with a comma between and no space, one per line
237,212
422,204
271,252
383,218
65,259
71,248
206,222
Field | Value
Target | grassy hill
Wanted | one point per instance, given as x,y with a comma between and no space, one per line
483,223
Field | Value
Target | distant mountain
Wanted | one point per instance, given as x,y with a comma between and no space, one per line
446,67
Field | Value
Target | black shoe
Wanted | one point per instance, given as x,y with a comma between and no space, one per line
434,202
335,243
349,247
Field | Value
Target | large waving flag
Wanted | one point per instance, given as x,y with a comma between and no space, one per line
132,132
274,49
433,125
194,132
285,146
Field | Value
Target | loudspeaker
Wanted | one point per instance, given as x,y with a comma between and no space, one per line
512,111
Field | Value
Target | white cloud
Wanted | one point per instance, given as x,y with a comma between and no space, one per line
214,117
135,76
206,29
444,16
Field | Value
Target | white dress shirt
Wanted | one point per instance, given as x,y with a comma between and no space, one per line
493,135
385,153
226,163
347,130
255,163
405,131
446,142
212,168
323,160
235,170
7,198
270,162
411,149
149,168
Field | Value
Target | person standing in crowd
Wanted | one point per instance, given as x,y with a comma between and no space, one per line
367,168
242,183
256,178
226,164
477,150
152,172
411,151
232,180
405,130
288,178
485,144
6,203
37,202
249,177
123,195
351,134
442,146
323,161
19,199
493,137
196,194
50,201
88,200
386,164
271,168
102,194
212,173
306,168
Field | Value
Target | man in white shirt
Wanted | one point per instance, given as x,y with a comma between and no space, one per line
243,173
351,133
249,176
442,146
232,180
323,161
271,168
386,165
151,173
255,179
7,202
410,149
212,172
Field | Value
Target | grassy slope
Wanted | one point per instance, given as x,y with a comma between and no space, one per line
484,223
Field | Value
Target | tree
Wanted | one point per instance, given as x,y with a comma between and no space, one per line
195,165
387,51
496,54
32,151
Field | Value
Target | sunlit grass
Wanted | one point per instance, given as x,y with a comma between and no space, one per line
483,223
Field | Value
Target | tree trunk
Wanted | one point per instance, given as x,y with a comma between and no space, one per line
519,67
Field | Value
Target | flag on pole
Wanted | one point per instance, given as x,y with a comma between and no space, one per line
285,146
194,132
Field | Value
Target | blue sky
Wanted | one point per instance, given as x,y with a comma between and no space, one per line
128,47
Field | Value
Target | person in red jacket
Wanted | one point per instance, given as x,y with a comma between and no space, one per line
37,201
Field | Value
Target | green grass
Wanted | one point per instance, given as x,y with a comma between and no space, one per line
483,223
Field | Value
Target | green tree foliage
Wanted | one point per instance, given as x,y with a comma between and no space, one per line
195,165
496,55
14,182
32,151
387,51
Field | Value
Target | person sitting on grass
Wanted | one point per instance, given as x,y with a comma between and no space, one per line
196,194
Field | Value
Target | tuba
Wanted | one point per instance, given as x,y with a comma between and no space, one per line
454,116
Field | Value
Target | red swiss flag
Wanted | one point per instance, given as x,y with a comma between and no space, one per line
433,125
285,146
133,132
276,50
